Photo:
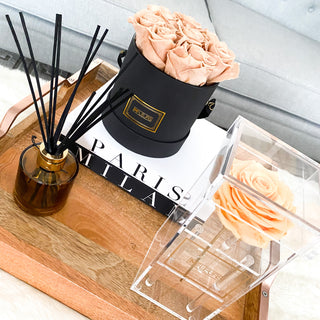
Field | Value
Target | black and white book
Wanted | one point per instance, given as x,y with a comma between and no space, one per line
159,182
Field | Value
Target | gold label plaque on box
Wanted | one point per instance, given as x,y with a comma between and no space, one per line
143,115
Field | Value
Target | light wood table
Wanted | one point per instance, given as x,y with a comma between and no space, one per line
88,254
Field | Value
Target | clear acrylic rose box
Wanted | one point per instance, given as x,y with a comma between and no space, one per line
254,209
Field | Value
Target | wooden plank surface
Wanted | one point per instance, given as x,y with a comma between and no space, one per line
88,254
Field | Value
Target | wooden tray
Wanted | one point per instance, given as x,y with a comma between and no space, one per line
87,255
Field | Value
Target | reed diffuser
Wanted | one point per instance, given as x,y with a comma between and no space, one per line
47,170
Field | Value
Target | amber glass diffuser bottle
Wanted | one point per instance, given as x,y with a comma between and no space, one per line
44,181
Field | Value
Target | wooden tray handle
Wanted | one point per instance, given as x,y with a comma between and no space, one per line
257,300
21,106
26,102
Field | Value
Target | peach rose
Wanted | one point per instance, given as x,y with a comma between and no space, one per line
178,45
189,30
250,210
227,57
192,64
180,64
154,35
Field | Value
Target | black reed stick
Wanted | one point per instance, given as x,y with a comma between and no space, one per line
33,62
28,77
54,79
85,66
53,63
56,83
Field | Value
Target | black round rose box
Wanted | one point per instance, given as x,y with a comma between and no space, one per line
157,119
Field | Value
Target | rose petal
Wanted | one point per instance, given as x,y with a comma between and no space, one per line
190,34
182,66
161,48
229,73
196,77
162,40
144,44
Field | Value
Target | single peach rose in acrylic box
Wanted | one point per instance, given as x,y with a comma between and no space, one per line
250,216
179,46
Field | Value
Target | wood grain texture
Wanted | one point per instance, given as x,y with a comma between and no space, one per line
88,254
252,304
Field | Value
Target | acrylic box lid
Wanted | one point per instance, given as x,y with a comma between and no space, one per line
266,172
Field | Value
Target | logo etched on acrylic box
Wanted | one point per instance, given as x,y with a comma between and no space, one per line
143,115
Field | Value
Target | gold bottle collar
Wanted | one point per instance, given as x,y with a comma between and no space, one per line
51,162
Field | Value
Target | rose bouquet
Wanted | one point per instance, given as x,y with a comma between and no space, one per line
179,46
176,66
